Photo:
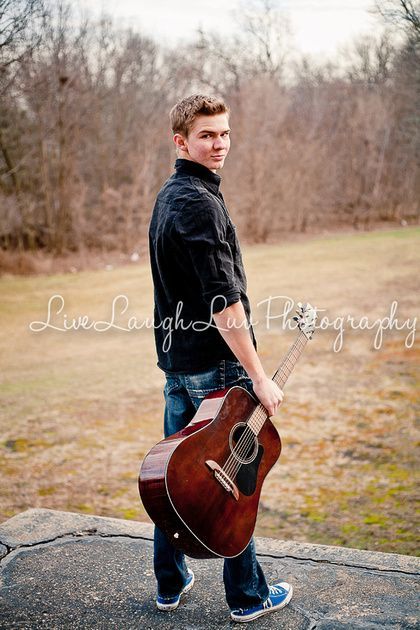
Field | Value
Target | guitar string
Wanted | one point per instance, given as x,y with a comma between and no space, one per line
248,437
257,419
259,415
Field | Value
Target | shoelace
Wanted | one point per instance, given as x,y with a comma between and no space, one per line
273,590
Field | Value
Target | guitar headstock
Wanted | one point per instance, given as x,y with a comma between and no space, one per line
306,319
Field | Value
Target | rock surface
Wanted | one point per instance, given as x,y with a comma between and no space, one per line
63,570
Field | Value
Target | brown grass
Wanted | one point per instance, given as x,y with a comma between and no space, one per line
81,408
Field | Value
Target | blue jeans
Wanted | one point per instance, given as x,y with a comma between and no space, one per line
244,580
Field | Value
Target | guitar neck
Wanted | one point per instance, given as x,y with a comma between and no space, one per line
259,415
290,360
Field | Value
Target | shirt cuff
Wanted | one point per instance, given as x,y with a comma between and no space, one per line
222,299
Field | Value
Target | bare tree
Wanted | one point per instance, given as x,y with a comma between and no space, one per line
369,60
20,32
405,13
266,34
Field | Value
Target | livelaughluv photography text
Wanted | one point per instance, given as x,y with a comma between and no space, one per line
274,311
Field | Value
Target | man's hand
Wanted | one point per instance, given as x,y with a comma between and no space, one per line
239,341
269,394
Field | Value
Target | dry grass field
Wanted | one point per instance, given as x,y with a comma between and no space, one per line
80,408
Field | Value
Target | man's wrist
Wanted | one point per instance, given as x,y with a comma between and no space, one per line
258,377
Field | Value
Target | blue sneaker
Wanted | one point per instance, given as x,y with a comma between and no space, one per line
170,603
279,596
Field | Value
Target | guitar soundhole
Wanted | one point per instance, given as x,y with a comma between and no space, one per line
243,443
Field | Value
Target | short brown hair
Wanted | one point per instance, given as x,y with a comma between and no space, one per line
183,114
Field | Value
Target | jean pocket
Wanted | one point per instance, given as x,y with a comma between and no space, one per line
236,375
200,384
172,383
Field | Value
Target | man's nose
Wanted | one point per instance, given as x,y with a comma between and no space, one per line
219,143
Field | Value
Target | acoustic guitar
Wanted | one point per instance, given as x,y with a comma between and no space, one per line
201,486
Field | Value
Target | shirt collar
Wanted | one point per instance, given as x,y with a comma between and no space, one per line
188,167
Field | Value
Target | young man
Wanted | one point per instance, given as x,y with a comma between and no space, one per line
203,335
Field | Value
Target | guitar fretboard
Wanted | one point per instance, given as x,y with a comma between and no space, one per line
259,415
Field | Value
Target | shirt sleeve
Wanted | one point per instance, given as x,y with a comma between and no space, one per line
201,227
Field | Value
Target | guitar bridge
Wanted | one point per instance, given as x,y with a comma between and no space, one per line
224,480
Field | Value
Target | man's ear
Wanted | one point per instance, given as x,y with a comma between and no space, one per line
180,142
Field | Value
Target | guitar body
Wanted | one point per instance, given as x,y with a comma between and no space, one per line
180,489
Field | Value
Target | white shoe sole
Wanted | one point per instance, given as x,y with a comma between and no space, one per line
175,605
264,611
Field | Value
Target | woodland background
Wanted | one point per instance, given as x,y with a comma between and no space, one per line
85,142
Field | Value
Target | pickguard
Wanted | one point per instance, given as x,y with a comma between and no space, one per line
246,478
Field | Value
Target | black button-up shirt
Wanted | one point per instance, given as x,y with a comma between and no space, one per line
197,269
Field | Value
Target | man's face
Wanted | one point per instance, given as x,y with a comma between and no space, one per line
208,141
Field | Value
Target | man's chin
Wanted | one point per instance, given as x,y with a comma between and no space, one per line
217,165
